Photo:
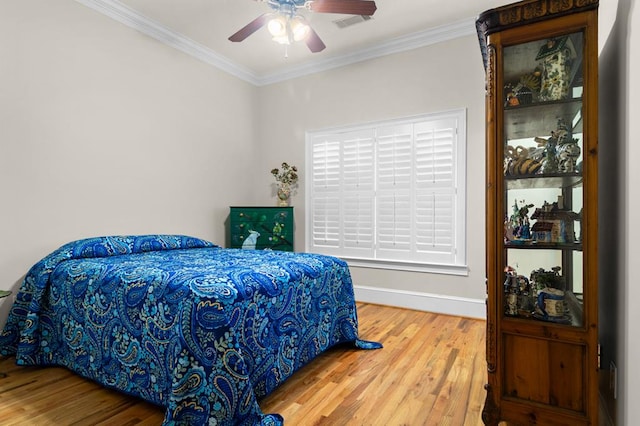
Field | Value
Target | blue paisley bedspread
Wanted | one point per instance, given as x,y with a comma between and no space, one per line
178,321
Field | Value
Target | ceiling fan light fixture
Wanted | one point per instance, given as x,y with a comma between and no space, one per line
277,27
299,28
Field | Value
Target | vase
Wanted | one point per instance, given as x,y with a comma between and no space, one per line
284,192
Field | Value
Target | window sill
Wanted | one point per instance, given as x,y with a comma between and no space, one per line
461,270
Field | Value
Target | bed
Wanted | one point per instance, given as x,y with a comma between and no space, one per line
201,330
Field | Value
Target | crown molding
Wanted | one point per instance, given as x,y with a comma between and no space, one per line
400,44
125,15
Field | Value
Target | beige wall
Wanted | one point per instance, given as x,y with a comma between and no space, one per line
618,202
628,311
435,78
106,131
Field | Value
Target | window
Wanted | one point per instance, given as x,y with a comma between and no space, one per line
390,194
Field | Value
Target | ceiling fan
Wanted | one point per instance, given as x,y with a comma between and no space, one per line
287,26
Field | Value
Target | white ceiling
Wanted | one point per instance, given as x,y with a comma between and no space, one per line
202,28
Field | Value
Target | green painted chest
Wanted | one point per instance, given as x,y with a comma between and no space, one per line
261,228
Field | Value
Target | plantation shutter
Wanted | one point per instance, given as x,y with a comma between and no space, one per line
435,192
389,192
325,203
358,193
395,176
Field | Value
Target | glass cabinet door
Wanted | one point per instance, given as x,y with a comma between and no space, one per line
543,192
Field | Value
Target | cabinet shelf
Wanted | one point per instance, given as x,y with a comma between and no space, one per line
557,180
540,118
534,245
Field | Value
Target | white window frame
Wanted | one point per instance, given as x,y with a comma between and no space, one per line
354,141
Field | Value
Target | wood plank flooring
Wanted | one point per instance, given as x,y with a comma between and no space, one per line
431,371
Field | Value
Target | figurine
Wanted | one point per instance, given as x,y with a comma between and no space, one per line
519,221
568,154
511,290
559,152
550,161
524,91
541,278
517,293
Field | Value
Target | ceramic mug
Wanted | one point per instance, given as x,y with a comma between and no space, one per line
551,302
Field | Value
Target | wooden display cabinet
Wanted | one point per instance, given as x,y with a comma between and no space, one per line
541,212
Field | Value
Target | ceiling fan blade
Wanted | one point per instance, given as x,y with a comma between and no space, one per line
250,28
352,7
314,43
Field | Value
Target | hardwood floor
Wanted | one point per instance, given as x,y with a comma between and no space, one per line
431,371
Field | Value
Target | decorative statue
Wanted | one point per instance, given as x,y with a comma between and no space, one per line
250,242
550,161
560,151
568,154
519,221
517,291
509,233
511,290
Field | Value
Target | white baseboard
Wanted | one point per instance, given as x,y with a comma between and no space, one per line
450,305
